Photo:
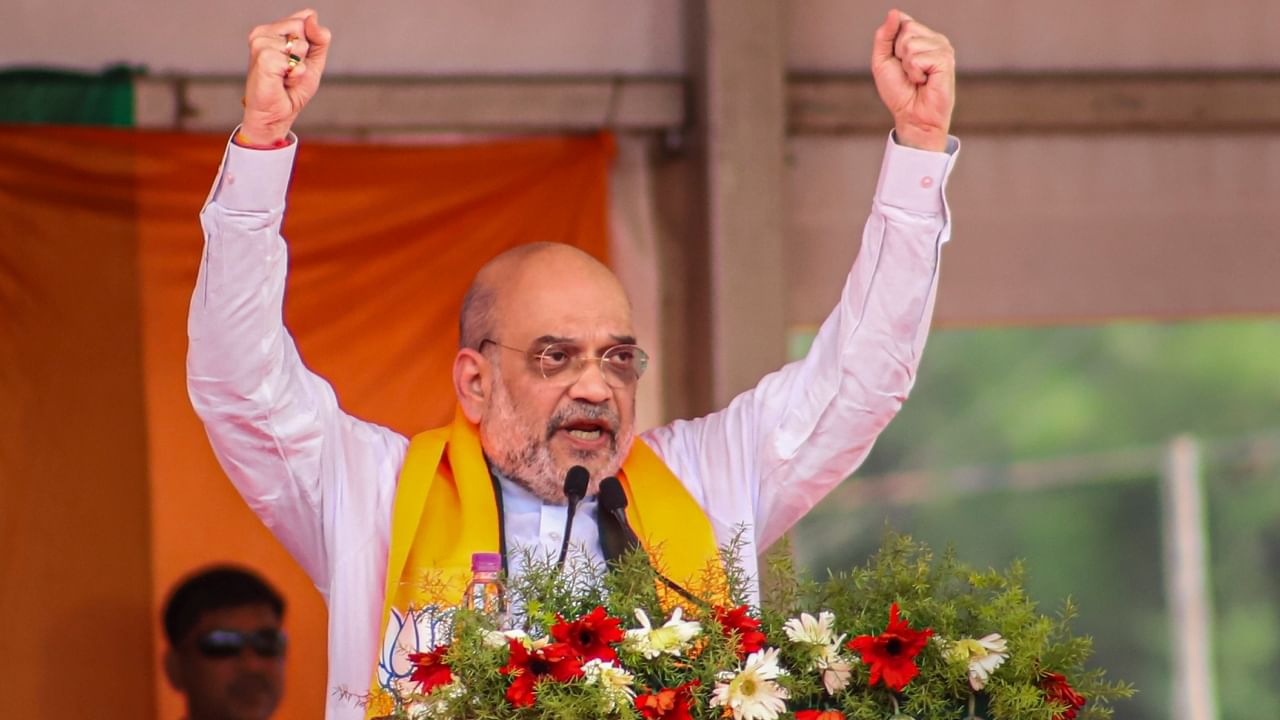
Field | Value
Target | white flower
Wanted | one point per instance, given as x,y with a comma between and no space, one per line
672,638
436,705
984,655
615,681
497,639
752,694
819,634
834,668
811,630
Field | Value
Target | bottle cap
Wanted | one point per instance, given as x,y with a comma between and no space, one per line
486,562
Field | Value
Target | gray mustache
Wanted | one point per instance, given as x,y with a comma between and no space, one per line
579,411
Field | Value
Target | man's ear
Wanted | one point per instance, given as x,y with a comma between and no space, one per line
172,669
471,376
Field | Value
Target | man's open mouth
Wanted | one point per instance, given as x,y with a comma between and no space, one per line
587,430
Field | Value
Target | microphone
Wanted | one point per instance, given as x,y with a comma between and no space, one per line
575,488
613,500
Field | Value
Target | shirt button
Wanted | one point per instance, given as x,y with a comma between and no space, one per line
926,182
554,536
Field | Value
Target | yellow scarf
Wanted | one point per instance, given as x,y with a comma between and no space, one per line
445,509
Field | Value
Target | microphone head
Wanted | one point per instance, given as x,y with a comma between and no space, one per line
612,496
575,482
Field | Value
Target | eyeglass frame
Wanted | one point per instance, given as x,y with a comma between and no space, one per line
579,360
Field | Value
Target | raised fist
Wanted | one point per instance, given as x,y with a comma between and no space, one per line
286,60
915,73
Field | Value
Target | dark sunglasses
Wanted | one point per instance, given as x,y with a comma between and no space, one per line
218,644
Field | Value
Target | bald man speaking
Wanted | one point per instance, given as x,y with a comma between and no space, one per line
545,378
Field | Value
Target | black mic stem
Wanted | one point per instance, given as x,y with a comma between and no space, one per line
613,499
575,488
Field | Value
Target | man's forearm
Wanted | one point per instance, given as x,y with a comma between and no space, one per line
243,374
863,362
780,447
236,305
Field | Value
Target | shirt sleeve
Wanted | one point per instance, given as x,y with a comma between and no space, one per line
311,472
779,448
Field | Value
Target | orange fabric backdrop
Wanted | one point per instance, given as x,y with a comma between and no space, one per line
383,241
75,542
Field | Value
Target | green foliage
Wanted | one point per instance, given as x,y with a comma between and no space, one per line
956,601
953,599
986,399
1007,394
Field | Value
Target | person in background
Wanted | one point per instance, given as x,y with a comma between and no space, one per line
226,648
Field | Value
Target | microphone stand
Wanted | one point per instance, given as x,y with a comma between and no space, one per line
613,499
575,489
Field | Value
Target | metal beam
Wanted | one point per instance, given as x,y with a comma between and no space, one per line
1187,586
1044,103
1137,464
996,103
411,104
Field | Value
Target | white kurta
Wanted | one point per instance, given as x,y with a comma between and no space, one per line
323,481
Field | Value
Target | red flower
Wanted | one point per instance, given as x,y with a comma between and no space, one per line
892,653
590,635
1058,690
557,661
667,703
819,715
746,628
430,670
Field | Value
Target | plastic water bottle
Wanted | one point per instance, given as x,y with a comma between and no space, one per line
485,593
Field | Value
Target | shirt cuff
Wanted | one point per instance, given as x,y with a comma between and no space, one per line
253,180
913,179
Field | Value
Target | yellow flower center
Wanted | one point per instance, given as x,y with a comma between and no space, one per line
968,648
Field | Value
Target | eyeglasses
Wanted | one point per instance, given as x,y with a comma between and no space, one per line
221,644
621,365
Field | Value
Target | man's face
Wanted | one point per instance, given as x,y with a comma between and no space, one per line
240,686
535,428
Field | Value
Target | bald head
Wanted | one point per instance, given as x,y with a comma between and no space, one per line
544,304
533,276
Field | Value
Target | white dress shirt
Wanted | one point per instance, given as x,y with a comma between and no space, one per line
535,529
323,481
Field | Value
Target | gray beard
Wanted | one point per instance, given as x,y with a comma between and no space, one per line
527,461
534,470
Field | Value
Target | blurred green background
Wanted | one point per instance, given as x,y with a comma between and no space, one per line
1049,444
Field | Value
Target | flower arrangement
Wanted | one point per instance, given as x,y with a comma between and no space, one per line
907,635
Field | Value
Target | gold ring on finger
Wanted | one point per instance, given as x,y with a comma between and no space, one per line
293,61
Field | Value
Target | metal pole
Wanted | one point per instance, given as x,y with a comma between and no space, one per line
1187,585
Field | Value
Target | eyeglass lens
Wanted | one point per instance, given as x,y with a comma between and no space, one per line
621,364
267,643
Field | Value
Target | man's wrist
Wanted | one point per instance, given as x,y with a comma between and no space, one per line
255,180
932,140
913,179
261,138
